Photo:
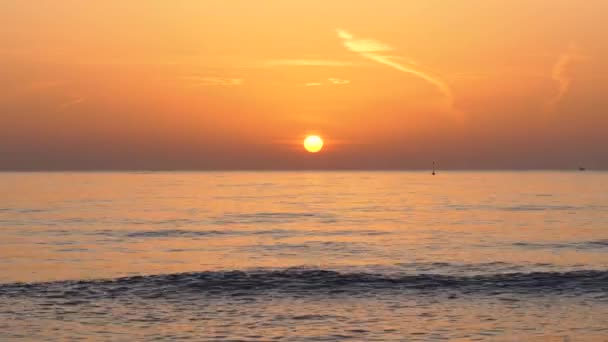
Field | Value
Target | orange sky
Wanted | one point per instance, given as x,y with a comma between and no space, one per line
196,84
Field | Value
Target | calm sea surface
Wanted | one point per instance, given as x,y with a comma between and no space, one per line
298,256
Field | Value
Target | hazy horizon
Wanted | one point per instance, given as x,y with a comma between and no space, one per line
297,170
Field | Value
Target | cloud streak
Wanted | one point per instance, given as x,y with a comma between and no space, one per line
330,81
71,103
310,62
214,81
338,81
560,74
377,51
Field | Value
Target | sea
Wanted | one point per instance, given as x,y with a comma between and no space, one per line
304,256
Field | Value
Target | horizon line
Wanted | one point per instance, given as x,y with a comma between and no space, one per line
83,170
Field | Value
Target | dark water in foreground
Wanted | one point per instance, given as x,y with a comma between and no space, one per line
304,256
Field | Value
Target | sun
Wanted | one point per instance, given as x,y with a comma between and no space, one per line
313,143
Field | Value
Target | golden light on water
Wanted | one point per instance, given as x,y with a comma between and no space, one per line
313,143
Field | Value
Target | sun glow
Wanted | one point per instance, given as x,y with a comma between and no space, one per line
313,143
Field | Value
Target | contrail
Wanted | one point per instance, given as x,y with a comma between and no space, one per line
375,50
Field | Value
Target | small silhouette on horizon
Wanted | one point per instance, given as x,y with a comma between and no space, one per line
433,169
580,168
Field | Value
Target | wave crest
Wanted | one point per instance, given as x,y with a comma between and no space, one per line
311,281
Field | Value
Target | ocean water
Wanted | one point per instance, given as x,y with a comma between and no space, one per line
300,256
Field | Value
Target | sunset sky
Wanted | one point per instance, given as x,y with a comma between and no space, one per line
392,84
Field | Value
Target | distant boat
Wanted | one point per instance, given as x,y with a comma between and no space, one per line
433,169
582,169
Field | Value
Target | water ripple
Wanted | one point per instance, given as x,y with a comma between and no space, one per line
594,244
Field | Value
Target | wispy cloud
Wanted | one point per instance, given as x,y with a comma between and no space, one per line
71,102
377,51
214,81
338,81
59,90
330,81
560,74
310,62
